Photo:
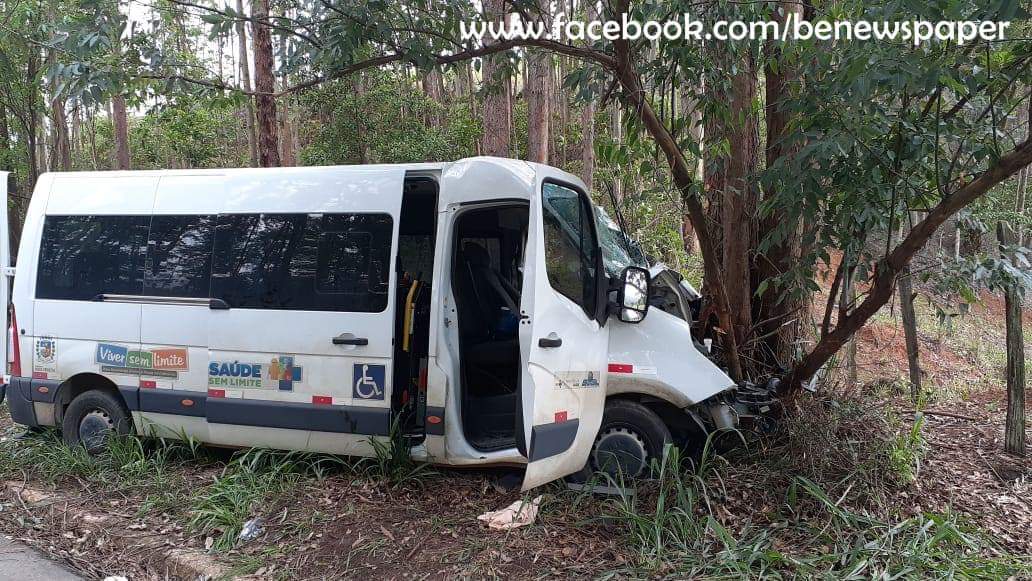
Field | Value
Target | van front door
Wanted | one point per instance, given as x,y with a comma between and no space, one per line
302,324
563,346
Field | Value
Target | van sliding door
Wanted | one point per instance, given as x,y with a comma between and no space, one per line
301,324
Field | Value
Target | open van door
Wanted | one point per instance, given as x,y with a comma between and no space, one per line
6,274
563,345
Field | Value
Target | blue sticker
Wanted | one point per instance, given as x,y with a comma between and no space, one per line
113,355
368,381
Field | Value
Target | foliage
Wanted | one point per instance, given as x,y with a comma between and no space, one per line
384,123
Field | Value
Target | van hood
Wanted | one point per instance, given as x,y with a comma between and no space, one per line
657,357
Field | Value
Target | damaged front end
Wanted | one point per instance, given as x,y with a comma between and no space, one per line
746,407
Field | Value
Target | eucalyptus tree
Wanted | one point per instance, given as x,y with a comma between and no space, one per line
858,135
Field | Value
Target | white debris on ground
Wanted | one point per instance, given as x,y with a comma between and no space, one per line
518,514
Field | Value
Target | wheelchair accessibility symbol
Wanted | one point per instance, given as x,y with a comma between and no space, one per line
368,381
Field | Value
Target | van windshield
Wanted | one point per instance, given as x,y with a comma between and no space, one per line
618,250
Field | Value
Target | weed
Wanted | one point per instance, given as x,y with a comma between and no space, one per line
221,508
392,462
907,451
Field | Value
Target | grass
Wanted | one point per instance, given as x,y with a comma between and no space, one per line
675,532
220,509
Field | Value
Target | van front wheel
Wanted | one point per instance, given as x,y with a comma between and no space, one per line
92,418
631,437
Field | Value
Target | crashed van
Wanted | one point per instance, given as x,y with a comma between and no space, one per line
476,309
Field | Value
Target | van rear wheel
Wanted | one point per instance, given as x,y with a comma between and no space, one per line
631,437
92,418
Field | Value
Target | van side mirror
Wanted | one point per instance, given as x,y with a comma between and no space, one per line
633,294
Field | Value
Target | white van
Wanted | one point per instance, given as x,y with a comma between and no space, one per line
464,306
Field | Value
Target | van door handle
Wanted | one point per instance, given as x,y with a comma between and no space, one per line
552,340
349,339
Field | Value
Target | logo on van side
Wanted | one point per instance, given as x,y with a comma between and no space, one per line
234,374
369,381
575,379
161,362
283,371
44,356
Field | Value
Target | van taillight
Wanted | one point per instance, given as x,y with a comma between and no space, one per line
13,349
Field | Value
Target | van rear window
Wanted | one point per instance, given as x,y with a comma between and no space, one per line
314,262
85,256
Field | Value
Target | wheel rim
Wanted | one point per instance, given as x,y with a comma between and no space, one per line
620,451
95,428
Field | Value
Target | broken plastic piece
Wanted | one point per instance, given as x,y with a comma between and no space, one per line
251,529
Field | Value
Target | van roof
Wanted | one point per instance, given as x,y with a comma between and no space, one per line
513,164
340,188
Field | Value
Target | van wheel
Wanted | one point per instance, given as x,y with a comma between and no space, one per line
631,437
92,418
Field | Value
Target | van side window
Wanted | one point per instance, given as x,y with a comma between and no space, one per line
84,256
179,256
570,249
331,262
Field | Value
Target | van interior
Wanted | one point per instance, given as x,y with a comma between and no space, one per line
487,278
415,266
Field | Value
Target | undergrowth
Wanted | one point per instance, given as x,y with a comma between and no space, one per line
829,478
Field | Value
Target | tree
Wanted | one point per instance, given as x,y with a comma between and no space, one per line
264,86
497,110
870,132
245,84
1014,426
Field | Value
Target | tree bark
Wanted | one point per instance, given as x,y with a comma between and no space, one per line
538,88
245,84
616,133
62,157
780,309
909,315
265,86
497,106
120,121
1014,428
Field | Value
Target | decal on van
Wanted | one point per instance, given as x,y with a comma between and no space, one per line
574,379
44,355
369,381
234,374
159,362
283,371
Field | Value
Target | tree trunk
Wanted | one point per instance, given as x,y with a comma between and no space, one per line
497,104
62,157
906,308
287,146
845,304
245,84
265,86
360,129
616,131
120,121
433,88
1014,429
539,101
738,197
781,309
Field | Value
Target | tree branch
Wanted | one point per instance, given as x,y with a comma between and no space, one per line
889,268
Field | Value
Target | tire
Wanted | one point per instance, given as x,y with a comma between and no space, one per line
92,418
631,437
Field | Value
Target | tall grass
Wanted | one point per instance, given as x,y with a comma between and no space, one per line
675,531
252,477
